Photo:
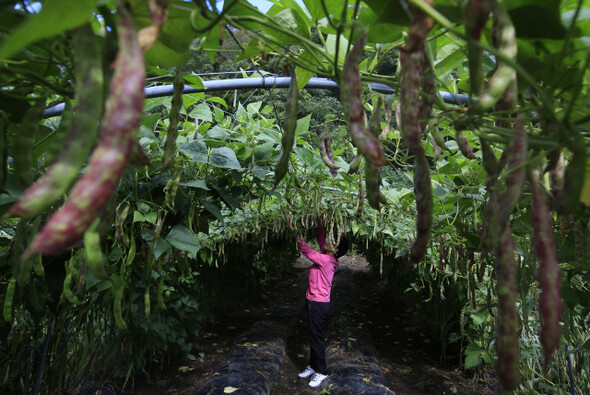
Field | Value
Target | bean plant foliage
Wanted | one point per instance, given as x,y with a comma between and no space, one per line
129,221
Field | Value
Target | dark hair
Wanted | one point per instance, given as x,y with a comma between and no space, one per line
342,248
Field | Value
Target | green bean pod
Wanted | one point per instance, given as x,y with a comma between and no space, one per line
351,97
289,128
68,293
94,257
109,159
172,135
82,133
8,300
373,183
60,135
161,303
117,308
24,140
147,302
568,199
354,166
549,273
504,75
326,152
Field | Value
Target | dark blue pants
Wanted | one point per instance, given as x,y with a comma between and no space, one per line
316,315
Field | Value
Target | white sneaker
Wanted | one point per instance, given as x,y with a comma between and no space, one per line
317,379
307,372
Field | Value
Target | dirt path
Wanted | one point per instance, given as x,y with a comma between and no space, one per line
405,356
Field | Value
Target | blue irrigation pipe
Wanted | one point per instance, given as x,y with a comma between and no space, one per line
263,83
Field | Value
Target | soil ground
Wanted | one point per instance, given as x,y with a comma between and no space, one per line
410,361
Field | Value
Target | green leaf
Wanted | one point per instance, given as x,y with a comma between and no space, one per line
159,247
201,112
303,77
196,149
55,17
264,152
536,18
201,184
217,133
184,239
303,125
224,157
390,11
472,360
232,197
172,47
253,108
289,19
315,9
213,209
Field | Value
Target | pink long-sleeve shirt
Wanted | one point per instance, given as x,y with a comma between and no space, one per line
322,271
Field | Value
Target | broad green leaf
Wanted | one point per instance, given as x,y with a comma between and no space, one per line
224,157
264,152
315,9
302,13
55,17
217,100
201,184
213,209
159,247
172,47
201,112
536,18
389,11
196,149
303,77
303,125
331,41
253,108
184,239
217,133
289,26
188,100
472,360
232,197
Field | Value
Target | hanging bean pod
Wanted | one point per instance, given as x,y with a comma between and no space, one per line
81,135
350,94
172,134
549,274
326,152
507,344
423,192
476,15
505,75
289,128
109,159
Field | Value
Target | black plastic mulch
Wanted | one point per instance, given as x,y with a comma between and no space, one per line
353,362
254,362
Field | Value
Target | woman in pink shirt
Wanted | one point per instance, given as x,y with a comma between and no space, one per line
318,291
